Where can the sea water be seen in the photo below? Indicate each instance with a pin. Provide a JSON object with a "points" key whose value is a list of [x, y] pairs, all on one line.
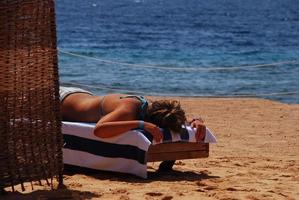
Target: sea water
{"points": [[181, 47]]}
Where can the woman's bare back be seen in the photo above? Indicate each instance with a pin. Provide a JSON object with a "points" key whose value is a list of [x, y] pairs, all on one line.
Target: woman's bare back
{"points": [[83, 107]]}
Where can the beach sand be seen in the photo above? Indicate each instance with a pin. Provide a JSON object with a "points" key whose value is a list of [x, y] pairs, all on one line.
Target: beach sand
{"points": [[256, 157]]}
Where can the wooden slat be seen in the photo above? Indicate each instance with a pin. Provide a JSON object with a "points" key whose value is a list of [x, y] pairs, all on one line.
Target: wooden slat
{"points": [[177, 155], [177, 151], [178, 146]]}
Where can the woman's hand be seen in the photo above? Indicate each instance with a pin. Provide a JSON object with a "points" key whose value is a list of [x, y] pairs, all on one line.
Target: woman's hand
{"points": [[198, 124], [154, 130]]}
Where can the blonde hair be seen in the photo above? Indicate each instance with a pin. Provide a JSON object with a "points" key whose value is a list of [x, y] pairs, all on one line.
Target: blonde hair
{"points": [[166, 114]]}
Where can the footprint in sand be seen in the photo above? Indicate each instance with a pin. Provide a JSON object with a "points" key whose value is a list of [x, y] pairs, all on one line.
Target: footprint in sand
{"points": [[210, 188], [124, 197], [229, 198], [231, 189], [200, 190], [203, 186], [157, 194], [167, 198], [154, 194], [286, 175], [119, 191], [201, 183], [238, 164]]}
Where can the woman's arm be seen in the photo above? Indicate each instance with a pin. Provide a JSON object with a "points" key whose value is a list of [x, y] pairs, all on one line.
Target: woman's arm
{"points": [[120, 121], [198, 124]]}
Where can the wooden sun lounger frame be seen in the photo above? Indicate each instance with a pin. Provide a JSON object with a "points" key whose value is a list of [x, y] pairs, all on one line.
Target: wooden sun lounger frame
{"points": [[177, 151]]}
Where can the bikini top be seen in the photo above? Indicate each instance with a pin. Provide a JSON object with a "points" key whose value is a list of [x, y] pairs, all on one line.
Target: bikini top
{"points": [[143, 107]]}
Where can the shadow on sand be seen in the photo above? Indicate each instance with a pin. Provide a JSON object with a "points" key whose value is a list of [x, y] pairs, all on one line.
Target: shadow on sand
{"points": [[171, 175], [62, 193]]}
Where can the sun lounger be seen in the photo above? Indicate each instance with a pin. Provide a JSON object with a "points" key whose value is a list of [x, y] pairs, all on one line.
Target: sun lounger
{"points": [[128, 152]]}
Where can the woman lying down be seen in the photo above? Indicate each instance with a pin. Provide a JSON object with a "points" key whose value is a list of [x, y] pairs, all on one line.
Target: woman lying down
{"points": [[115, 114]]}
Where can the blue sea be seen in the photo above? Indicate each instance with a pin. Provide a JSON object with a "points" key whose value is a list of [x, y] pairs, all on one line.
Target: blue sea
{"points": [[221, 48]]}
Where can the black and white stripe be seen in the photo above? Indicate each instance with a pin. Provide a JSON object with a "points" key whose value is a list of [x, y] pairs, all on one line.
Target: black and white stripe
{"points": [[124, 153]]}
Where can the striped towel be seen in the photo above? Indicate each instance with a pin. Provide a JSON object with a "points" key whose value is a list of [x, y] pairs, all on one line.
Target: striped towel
{"points": [[124, 153], [187, 135]]}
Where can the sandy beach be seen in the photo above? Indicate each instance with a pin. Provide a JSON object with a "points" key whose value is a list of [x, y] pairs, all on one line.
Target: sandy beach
{"points": [[256, 157]]}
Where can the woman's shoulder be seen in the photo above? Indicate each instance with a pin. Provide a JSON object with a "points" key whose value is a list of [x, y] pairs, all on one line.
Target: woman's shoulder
{"points": [[119, 100]]}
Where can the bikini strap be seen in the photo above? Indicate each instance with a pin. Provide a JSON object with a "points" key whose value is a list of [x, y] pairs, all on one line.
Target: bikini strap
{"points": [[143, 107], [101, 106]]}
